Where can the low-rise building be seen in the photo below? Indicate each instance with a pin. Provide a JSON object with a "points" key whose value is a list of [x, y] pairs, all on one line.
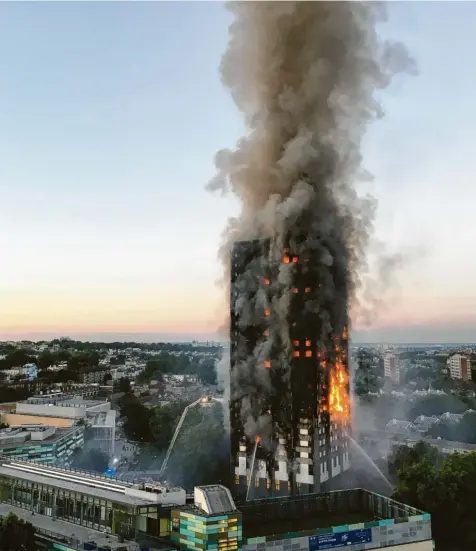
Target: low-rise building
{"points": [[93, 375], [41, 443], [209, 519], [65, 411], [424, 422]]}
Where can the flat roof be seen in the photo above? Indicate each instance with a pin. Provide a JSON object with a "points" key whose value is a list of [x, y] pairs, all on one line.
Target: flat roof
{"points": [[101, 493], [281, 526], [267, 517], [60, 433], [61, 528]]}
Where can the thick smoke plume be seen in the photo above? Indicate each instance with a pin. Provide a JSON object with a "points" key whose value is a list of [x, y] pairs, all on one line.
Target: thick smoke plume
{"points": [[304, 77]]}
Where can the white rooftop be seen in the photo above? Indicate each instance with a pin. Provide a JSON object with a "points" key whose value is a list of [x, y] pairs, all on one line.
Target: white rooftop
{"points": [[214, 499], [92, 484]]}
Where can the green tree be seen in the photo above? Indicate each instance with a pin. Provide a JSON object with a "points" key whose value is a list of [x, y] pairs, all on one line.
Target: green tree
{"points": [[206, 371], [136, 418], [46, 359], [155, 368], [123, 385], [16, 358], [437, 405], [403, 456], [163, 422], [447, 492], [119, 359], [10, 394], [200, 453], [16, 534]]}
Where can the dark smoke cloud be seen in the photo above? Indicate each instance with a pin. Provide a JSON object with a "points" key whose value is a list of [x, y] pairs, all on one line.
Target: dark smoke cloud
{"points": [[303, 75]]}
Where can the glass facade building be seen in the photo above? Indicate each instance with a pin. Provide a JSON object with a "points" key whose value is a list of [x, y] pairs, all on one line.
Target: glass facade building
{"points": [[64, 497]]}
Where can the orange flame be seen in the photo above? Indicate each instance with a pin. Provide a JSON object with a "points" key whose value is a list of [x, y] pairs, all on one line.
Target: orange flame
{"points": [[257, 439], [267, 364], [267, 312], [338, 391], [286, 259]]}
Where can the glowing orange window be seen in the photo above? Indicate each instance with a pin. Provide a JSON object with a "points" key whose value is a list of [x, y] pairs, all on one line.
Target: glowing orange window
{"points": [[286, 259], [295, 290], [296, 354], [295, 259], [307, 290], [267, 364], [267, 281], [308, 354], [267, 312], [308, 343], [296, 343]]}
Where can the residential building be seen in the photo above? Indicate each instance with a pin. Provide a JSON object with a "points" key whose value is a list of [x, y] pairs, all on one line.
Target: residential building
{"points": [[391, 365], [27, 371], [459, 367], [93, 375], [298, 438], [423, 422]]}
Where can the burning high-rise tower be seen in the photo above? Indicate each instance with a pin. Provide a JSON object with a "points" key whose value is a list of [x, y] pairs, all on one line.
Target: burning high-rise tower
{"points": [[289, 413], [303, 75]]}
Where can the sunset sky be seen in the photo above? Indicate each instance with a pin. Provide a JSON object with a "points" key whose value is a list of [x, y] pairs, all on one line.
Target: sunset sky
{"points": [[110, 116]]}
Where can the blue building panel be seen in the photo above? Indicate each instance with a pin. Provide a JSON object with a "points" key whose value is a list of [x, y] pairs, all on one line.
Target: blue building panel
{"points": [[340, 539]]}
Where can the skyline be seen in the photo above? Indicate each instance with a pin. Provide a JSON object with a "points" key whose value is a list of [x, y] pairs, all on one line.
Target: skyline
{"points": [[112, 114]]}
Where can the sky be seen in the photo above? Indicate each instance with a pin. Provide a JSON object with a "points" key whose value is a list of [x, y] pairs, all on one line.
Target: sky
{"points": [[110, 116]]}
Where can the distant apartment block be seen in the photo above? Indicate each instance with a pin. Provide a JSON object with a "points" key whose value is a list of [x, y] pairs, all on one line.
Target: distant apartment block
{"points": [[28, 372], [92, 375], [459, 367], [391, 365]]}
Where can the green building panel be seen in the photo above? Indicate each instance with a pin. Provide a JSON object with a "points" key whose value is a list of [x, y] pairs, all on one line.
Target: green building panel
{"points": [[194, 530]]}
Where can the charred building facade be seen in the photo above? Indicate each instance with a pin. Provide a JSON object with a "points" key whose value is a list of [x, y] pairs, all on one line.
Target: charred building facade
{"points": [[289, 406]]}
